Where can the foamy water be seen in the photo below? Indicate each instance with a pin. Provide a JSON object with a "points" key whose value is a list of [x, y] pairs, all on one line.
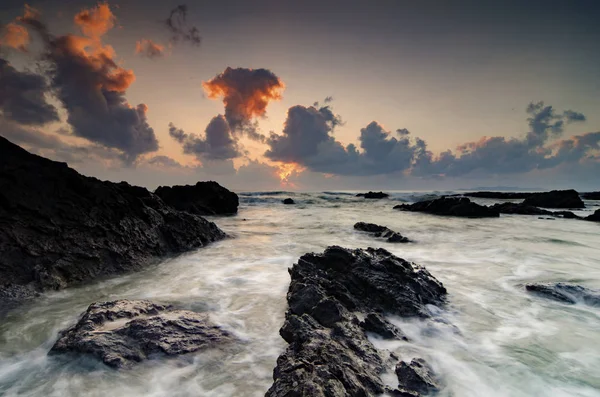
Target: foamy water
{"points": [[492, 339]]}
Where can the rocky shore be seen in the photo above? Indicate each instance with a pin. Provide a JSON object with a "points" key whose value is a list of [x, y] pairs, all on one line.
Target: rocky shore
{"points": [[381, 232]]}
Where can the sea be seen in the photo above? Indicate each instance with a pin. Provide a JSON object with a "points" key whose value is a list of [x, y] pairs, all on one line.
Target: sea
{"points": [[492, 339]]}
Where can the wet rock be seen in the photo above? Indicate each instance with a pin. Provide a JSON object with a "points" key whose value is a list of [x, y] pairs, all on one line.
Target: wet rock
{"points": [[555, 199], [288, 201], [549, 219], [373, 195], [381, 231], [416, 378], [329, 353], [566, 293], [595, 217], [498, 195], [566, 214], [591, 195], [124, 332], [58, 227], [203, 198], [376, 323], [451, 206], [520, 209]]}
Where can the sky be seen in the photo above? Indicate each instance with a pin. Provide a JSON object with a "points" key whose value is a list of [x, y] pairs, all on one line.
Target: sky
{"points": [[311, 95]]}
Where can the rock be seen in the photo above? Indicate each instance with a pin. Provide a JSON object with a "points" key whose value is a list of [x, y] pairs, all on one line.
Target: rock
{"points": [[566, 293], [499, 195], [595, 217], [520, 209], [124, 332], [591, 195], [373, 195], [381, 231], [203, 198], [288, 201], [58, 227], [549, 219], [566, 214], [555, 199], [451, 206], [329, 353], [416, 377], [376, 323]]}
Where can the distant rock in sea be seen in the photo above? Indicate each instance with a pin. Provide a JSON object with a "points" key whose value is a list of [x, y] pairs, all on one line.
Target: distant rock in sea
{"points": [[451, 206], [555, 199], [373, 195], [591, 195], [124, 332], [498, 195], [381, 231], [595, 217], [524, 209], [329, 353], [203, 198], [60, 228], [566, 293], [288, 201]]}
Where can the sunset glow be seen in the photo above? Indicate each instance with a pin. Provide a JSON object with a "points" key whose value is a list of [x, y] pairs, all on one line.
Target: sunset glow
{"points": [[286, 170]]}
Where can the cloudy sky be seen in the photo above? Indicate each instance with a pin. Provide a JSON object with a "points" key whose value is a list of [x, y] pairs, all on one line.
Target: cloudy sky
{"points": [[275, 94]]}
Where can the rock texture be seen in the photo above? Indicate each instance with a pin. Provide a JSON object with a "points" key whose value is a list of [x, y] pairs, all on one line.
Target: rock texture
{"points": [[288, 201], [566, 293], [416, 376], [373, 195], [555, 199], [124, 332], [595, 217], [203, 198], [451, 206], [58, 227], [381, 231], [329, 353]]}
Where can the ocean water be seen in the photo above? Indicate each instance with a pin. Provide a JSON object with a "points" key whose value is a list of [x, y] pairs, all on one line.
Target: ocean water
{"points": [[491, 339]]}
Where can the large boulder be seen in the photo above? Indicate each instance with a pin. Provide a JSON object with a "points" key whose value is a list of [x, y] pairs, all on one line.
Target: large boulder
{"points": [[329, 353], [203, 198], [566, 293], [555, 199], [58, 227], [124, 332], [451, 206], [595, 217], [373, 195], [288, 201], [381, 231]]}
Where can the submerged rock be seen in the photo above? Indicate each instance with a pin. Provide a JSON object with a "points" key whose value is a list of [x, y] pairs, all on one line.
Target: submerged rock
{"points": [[203, 198], [595, 217], [373, 195], [124, 332], [566, 293], [381, 231], [58, 227], [329, 353], [451, 206], [555, 199], [288, 201]]}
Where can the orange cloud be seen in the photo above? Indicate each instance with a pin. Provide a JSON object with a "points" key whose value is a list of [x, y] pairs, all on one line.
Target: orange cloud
{"points": [[148, 48], [97, 21], [15, 36]]}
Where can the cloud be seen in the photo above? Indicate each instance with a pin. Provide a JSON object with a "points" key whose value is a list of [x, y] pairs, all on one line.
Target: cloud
{"points": [[23, 97], [218, 142], [177, 25], [246, 93], [86, 78], [149, 49], [14, 36]]}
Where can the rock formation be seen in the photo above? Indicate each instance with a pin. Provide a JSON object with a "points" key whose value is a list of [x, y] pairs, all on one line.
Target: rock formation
{"points": [[591, 195], [373, 195], [595, 217], [381, 231], [451, 206], [499, 195], [555, 199], [566, 293], [288, 201], [203, 198]]}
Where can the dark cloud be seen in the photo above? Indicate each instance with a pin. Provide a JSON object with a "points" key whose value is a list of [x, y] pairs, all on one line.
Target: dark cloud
{"points": [[177, 25], [164, 161], [149, 49], [246, 94], [402, 131], [573, 116], [23, 96], [218, 142], [86, 78]]}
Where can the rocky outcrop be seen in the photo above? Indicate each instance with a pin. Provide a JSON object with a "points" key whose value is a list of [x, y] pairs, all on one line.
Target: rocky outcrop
{"points": [[288, 201], [595, 217], [498, 195], [329, 353], [566, 293], [416, 376], [591, 195], [555, 199], [203, 198], [451, 206], [373, 195], [524, 209], [122, 333], [58, 227], [381, 231]]}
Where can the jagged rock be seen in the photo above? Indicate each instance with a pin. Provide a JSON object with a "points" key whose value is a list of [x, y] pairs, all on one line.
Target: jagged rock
{"points": [[591, 195], [124, 332], [288, 201], [376, 323], [566, 293], [203, 198], [58, 227], [373, 195], [555, 199], [329, 353], [381, 231], [498, 195], [451, 206], [595, 217], [416, 378]]}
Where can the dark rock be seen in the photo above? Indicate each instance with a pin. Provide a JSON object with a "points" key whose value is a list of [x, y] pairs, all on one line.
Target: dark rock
{"points": [[124, 332], [451, 206], [288, 201], [329, 353], [381, 231], [520, 209], [595, 217], [566, 214], [416, 377], [555, 199], [203, 198], [373, 195], [376, 323], [499, 195], [591, 195], [566, 293], [58, 227], [549, 219]]}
